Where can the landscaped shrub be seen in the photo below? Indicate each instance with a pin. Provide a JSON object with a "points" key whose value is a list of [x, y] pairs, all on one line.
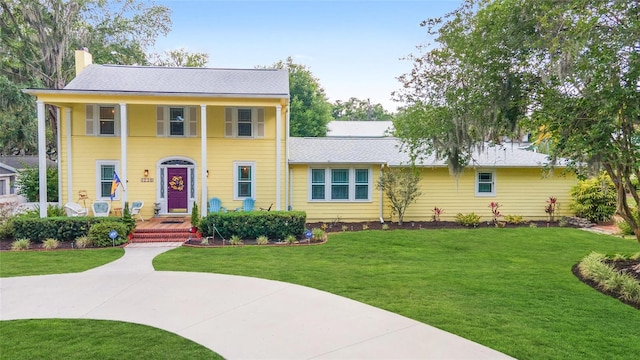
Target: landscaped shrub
{"points": [[624, 226], [594, 267], [514, 219], [594, 199], [99, 233], [50, 244], [61, 228], [21, 244], [7, 230], [262, 240], [251, 224], [468, 220], [235, 240], [83, 242], [290, 239], [317, 235], [127, 219]]}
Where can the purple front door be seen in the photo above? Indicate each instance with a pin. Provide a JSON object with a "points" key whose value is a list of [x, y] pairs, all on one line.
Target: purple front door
{"points": [[177, 191]]}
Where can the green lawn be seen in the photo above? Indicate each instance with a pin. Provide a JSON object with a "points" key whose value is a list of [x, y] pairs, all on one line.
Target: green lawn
{"points": [[509, 289], [24, 263], [93, 339]]}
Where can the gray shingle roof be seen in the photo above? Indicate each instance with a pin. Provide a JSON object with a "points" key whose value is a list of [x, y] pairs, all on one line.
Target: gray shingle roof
{"points": [[359, 128], [387, 151], [23, 161], [116, 78]]}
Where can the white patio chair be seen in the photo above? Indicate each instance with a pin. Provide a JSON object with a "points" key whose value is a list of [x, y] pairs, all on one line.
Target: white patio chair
{"points": [[74, 209], [136, 206], [101, 208]]}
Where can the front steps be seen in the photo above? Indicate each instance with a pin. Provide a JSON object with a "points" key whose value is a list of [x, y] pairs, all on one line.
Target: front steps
{"points": [[148, 235]]}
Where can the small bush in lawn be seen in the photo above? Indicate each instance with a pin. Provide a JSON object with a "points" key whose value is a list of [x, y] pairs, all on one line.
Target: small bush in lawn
{"points": [[365, 227], [262, 240], [514, 219], [345, 228], [468, 220], [385, 226], [290, 239], [204, 241], [99, 233], [83, 242], [317, 235], [624, 226], [235, 240], [50, 244], [21, 244], [533, 225]]}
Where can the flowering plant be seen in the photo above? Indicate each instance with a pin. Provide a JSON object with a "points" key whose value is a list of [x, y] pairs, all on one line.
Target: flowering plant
{"points": [[551, 207], [436, 213], [495, 212]]}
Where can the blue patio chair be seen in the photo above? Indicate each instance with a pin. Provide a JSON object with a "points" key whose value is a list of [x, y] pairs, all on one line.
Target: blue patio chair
{"points": [[247, 205], [215, 205]]}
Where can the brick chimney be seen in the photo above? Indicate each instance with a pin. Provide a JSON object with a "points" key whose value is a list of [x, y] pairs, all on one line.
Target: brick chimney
{"points": [[83, 59]]}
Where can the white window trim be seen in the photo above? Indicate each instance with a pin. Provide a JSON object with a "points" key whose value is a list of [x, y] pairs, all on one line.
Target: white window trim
{"points": [[327, 184], [188, 121], [493, 183], [237, 164], [99, 164], [96, 120], [255, 123]]}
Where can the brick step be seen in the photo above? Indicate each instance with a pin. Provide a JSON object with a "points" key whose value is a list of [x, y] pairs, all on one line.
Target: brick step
{"points": [[154, 240], [161, 231]]}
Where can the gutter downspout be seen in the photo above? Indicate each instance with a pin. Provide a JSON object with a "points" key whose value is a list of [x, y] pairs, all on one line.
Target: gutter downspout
{"points": [[381, 198]]}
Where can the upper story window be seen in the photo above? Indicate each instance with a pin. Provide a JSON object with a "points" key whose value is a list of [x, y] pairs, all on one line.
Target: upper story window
{"points": [[244, 122], [485, 183], [102, 120], [340, 184], [178, 121]]}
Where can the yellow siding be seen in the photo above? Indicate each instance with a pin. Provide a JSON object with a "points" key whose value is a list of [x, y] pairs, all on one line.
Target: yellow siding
{"points": [[520, 192]]}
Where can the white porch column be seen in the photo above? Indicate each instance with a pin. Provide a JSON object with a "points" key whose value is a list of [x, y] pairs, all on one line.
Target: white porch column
{"points": [[203, 160], [69, 165], [278, 155], [123, 150], [287, 180], [58, 143], [42, 159]]}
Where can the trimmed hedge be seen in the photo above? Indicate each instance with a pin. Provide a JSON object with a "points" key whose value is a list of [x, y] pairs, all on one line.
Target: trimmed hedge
{"points": [[59, 228], [275, 225]]}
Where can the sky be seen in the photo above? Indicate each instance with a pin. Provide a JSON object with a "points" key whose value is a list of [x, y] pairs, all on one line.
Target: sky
{"points": [[353, 47]]}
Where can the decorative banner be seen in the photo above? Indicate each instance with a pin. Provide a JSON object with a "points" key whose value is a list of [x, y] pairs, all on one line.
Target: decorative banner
{"points": [[176, 183]]}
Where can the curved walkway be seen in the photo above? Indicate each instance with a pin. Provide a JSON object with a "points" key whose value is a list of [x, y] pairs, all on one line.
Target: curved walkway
{"points": [[237, 317]]}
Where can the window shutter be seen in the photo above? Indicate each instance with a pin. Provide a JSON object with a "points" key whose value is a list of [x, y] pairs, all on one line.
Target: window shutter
{"points": [[116, 121], [160, 121], [89, 121], [228, 122], [193, 121], [260, 123]]}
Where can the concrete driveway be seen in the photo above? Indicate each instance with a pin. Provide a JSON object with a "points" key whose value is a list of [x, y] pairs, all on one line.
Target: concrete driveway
{"points": [[237, 317]]}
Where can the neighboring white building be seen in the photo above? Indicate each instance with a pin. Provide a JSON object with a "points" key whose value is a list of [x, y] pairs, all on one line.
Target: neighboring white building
{"points": [[7, 184], [359, 128]]}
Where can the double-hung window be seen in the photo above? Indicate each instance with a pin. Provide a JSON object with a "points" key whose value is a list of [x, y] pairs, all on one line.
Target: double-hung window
{"points": [[340, 184], [485, 183], [244, 180], [244, 122], [176, 121], [102, 120], [104, 175]]}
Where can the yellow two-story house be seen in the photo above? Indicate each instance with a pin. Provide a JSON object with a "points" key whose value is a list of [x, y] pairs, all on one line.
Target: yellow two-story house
{"points": [[173, 136]]}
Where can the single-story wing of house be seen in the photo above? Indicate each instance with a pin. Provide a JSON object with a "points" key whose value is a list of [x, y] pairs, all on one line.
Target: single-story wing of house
{"points": [[175, 137]]}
